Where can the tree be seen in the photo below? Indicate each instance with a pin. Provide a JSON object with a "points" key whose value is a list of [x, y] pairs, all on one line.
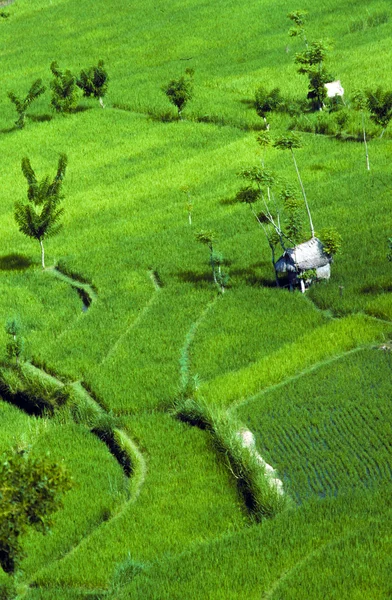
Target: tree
{"points": [[180, 91], [30, 492], [94, 82], [22, 105], [360, 104], [289, 142], [311, 63], [379, 104], [208, 238], [299, 18], [64, 90], [389, 255], [39, 218], [14, 346]]}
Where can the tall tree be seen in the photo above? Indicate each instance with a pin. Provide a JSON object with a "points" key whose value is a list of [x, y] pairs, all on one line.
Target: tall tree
{"points": [[39, 217], [22, 105], [208, 238], [298, 18], [360, 105], [94, 82], [312, 64], [289, 142], [64, 90]]}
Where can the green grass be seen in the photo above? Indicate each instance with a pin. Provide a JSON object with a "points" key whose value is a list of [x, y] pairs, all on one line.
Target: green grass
{"points": [[180, 503], [284, 557], [326, 342], [139, 344]]}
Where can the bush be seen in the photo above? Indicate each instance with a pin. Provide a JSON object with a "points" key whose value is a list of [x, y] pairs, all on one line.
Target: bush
{"points": [[266, 101], [30, 491]]}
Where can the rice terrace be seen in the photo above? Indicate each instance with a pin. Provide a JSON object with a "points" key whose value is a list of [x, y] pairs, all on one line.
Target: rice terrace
{"points": [[196, 300]]}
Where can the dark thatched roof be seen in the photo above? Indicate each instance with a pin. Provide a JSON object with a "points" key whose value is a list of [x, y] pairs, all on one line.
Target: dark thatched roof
{"points": [[309, 255]]}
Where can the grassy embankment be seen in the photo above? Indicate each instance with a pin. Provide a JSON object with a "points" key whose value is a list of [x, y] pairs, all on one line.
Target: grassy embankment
{"points": [[125, 217]]}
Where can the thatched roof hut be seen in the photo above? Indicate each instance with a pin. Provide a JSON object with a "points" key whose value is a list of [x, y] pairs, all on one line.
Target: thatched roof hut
{"points": [[306, 256]]}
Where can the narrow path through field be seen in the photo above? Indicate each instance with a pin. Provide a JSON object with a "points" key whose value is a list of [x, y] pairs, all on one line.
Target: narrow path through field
{"points": [[317, 365], [269, 594], [133, 323], [189, 337]]}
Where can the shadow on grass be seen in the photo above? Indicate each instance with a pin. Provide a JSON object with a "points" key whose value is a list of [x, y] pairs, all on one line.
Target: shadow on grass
{"points": [[248, 102], [228, 201], [198, 278], [376, 288], [15, 262], [82, 108], [10, 129], [247, 275], [40, 118], [163, 116]]}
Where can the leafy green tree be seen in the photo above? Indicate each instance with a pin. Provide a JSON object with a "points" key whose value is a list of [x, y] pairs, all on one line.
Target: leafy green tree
{"points": [[359, 103], [298, 18], [259, 190], [94, 82], [39, 218], [311, 63], [180, 91], [293, 214], [389, 255], [64, 90], [290, 142], [22, 105], [379, 104], [30, 492], [15, 344]]}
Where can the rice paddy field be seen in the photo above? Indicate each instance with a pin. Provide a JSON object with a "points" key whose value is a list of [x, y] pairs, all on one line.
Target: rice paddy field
{"points": [[125, 322]]}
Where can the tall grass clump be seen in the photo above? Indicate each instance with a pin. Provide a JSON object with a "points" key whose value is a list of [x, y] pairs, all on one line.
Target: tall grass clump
{"points": [[261, 498]]}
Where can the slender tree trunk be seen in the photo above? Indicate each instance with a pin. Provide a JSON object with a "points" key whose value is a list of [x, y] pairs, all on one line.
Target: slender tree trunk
{"points": [[273, 264], [365, 142], [382, 133], [101, 102], [190, 218], [42, 253], [304, 194]]}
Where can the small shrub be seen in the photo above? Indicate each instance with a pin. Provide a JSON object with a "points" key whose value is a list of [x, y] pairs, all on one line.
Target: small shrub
{"points": [[377, 19], [266, 101], [331, 240], [180, 91], [324, 125], [356, 26]]}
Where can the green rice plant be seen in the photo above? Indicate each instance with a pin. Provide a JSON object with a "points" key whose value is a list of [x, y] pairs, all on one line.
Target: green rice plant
{"points": [[333, 339], [274, 560], [327, 430], [187, 496], [7, 586]]}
